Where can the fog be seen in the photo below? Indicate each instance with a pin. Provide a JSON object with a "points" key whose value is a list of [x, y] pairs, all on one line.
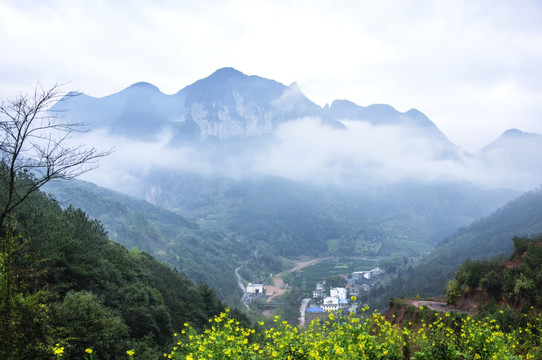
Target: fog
{"points": [[305, 150]]}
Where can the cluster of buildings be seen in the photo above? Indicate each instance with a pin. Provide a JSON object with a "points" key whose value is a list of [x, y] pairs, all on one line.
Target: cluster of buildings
{"points": [[362, 281], [340, 297]]}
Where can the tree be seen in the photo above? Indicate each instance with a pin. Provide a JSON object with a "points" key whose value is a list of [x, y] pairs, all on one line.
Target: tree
{"points": [[35, 148], [84, 322], [36, 142]]}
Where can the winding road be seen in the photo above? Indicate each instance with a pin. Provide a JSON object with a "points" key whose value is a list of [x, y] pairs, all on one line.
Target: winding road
{"points": [[303, 310], [241, 285]]}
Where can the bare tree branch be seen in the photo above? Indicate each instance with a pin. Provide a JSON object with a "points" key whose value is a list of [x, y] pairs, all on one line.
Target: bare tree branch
{"points": [[35, 144]]}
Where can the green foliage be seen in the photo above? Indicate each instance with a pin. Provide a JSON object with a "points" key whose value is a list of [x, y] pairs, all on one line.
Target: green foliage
{"points": [[315, 273], [443, 337], [288, 306], [297, 219], [71, 285], [82, 321], [335, 281], [516, 282], [201, 254], [483, 239]]}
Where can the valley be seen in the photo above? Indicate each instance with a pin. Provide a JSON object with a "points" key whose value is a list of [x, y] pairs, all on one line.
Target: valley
{"points": [[232, 187], [222, 198], [271, 180]]}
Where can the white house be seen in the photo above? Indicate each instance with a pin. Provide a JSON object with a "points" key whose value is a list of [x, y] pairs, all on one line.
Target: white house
{"points": [[256, 288], [331, 303], [339, 292]]}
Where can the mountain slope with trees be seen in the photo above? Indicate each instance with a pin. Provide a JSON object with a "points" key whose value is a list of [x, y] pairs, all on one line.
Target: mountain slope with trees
{"points": [[484, 239], [203, 255], [491, 285], [67, 283]]}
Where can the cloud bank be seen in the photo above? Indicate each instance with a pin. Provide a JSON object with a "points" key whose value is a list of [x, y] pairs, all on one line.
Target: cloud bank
{"points": [[304, 150]]}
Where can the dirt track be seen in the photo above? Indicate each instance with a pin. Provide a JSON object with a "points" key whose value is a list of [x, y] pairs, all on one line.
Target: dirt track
{"points": [[279, 287], [436, 305]]}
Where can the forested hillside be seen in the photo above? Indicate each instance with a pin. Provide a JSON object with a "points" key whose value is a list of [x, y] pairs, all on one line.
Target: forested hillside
{"points": [[484, 239], [64, 282], [203, 255]]}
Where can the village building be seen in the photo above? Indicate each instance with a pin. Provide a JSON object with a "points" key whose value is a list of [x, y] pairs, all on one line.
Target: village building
{"points": [[331, 303], [338, 292], [318, 293], [319, 286], [315, 310], [255, 288]]}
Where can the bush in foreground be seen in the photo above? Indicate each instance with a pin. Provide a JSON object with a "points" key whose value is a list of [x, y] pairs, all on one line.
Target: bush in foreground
{"points": [[369, 337]]}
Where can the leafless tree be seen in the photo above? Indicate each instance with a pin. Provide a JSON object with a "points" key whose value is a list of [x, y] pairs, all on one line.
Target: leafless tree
{"points": [[36, 146]]}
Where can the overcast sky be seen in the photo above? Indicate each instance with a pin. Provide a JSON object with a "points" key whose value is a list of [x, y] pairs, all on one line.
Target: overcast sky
{"points": [[473, 67]]}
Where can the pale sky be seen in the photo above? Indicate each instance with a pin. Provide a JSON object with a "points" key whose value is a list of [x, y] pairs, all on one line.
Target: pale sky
{"points": [[473, 67]]}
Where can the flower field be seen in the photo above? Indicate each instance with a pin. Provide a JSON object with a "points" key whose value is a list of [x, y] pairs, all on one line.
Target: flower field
{"points": [[369, 337]]}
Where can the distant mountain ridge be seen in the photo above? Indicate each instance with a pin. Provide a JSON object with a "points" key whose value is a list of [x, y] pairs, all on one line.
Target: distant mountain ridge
{"points": [[227, 104], [261, 168]]}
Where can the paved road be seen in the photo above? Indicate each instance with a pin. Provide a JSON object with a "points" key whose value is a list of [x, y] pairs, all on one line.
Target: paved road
{"points": [[303, 310], [244, 299]]}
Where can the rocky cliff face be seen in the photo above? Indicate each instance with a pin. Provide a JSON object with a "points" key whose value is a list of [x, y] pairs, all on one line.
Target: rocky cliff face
{"points": [[226, 105], [241, 120]]}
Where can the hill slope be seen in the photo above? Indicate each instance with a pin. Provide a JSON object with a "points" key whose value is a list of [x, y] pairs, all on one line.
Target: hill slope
{"points": [[74, 286], [483, 239], [203, 255]]}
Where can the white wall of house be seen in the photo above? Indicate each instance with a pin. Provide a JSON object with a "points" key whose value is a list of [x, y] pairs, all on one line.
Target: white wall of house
{"points": [[255, 288], [331, 303], [338, 292]]}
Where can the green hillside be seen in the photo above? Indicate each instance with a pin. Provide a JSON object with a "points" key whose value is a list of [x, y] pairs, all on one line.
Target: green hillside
{"points": [[492, 285], [301, 219], [203, 255], [64, 282], [483, 239]]}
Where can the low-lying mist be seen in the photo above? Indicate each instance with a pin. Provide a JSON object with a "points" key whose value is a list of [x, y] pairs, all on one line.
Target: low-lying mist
{"points": [[305, 150]]}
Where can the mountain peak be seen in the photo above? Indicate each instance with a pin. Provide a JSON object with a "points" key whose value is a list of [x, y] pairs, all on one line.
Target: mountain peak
{"points": [[511, 138], [142, 85], [227, 73], [513, 133], [516, 134]]}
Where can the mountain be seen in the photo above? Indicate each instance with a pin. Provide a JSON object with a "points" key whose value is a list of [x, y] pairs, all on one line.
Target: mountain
{"points": [[250, 170], [386, 115], [203, 255], [510, 140], [513, 149], [257, 160], [513, 157], [227, 104], [237, 124]]}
